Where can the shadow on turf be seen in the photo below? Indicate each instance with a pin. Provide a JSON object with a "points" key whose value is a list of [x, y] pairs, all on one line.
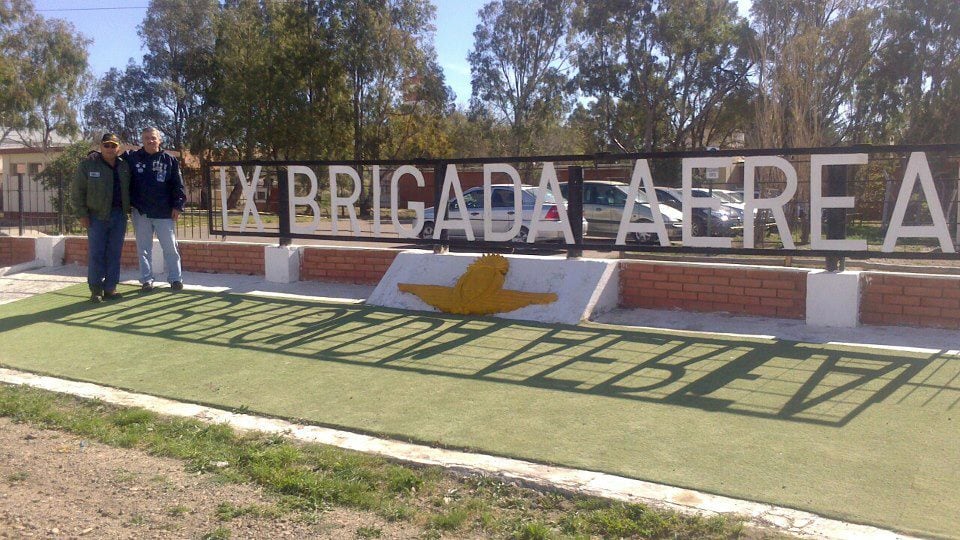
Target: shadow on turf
{"points": [[764, 378]]}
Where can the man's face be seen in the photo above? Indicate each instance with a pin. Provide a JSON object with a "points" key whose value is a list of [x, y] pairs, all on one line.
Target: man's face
{"points": [[151, 141], [109, 150]]}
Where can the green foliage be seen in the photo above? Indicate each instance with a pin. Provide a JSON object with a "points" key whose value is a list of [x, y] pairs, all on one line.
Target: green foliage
{"points": [[519, 66], [43, 73], [57, 178]]}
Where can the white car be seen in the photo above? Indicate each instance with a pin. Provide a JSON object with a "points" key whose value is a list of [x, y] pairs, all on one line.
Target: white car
{"points": [[503, 213], [603, 204]]}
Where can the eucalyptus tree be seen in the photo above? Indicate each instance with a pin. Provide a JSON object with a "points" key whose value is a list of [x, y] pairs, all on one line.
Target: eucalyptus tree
{"points": [[520, 66], [178, 36], [125, 101], [43, 72], [809, 57], [911, 91], [661, 74]]}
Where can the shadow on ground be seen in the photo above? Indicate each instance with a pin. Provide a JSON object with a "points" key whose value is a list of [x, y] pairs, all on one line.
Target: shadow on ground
{"points": [[791, 381]]}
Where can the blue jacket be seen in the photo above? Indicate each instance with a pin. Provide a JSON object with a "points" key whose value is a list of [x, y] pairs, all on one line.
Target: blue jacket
{"points": [[156, 186]]}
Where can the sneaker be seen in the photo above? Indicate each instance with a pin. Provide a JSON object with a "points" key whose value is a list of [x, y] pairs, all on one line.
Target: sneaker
{"points": [[96, 298], [112, 295], [176, 286], [146, 287]]}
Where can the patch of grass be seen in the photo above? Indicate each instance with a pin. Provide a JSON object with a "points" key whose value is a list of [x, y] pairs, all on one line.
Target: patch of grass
{"points": [[227, 511], [533, 531], [18, 476], [403, 480], [311, 478], [178, 510], [450, 520], [369, 532], [220, 533]]}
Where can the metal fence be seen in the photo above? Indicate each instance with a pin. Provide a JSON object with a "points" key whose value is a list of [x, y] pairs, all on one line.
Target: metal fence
{"points": [[856, 194], [43, 205]]}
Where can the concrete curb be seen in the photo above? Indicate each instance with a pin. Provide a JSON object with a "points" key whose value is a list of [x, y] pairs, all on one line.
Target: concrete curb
{"points": [[803, 524]]}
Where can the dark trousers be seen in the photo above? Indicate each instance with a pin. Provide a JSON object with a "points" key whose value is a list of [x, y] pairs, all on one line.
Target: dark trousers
{"points": [[104, 245]]}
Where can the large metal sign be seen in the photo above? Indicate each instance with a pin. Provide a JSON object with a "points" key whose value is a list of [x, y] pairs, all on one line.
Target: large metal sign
{"points": [[891, 201]]}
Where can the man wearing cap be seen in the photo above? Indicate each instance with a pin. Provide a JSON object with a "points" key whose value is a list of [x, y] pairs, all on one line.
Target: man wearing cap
{"points": [[157, 196], [101, 197]]}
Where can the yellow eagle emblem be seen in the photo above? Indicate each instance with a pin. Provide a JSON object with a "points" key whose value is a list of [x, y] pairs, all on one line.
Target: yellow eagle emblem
{"points": [[479, 291]]}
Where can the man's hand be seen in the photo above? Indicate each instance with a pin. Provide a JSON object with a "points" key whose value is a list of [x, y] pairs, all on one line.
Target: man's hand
{"points": [[174, 214], [85, 222]]}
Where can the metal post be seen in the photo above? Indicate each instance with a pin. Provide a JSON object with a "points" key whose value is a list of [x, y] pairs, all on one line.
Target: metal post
{"points": [[284, 210], [575, 210], [836, 186], [20, 197], [439, 169]]}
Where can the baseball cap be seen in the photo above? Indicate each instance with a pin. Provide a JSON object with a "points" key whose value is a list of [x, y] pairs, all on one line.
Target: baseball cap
{"points": [[110, 138]]}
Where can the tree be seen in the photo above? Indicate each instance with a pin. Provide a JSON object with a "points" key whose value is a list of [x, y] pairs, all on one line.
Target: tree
{"points": [[519, 66], [125, 103], [179, 38], [43, 72], [276, 92], [911, 91], [809, 57], [664, 75]]}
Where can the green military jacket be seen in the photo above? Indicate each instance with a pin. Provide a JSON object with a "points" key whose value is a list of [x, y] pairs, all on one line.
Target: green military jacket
{"points": [[92, 190]]}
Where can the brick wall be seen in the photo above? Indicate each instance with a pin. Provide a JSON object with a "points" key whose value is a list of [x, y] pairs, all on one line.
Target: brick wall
{"points": [[75, 252], [714, 288], [16, 250], [225, 258], [345, 265], [910, 300]]}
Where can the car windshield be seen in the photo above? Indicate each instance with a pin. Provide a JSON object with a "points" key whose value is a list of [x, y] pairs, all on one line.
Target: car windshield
{"points": [[530, 196], [621, 196], [727, 197]]}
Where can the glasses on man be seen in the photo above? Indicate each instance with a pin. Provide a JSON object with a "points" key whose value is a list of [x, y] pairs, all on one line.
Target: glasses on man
{"points": [[109, 145]]}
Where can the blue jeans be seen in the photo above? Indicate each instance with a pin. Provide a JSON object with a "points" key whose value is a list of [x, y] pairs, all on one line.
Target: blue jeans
{"points": [[104, 246], [165, 229]]}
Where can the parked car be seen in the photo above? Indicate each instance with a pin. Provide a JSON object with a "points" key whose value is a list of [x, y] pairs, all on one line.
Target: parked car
{"points": [[723, 221], [603, 204], [503, 212]]}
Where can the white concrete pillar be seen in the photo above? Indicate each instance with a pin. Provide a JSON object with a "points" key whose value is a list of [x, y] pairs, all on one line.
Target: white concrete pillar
{"points": [[833, 299], [282, 263], [49, 250]]}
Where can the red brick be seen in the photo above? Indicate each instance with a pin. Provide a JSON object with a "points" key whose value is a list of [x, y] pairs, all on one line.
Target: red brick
{"points": [[948, 303], [696, 287], [921, 311], [927, 292], [683, 278]]}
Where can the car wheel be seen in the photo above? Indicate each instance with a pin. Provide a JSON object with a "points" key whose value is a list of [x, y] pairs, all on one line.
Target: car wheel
{"points": [[699, 227], [646, 238], [426, 232], [521, 237]]}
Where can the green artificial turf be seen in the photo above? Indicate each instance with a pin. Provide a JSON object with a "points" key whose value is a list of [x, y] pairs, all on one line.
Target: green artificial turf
{"points": [[859, 434]]}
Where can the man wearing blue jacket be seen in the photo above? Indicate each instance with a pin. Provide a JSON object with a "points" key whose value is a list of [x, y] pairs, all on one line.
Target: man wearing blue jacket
{"points": [[156, 196]]}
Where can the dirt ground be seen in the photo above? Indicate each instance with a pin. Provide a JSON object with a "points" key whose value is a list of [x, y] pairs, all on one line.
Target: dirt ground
{"points": [[56, 485]]}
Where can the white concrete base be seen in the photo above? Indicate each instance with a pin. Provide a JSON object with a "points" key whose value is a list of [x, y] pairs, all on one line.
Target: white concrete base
{"points": [[583, 286], [49, 250], [833, 299], [282, 263]]}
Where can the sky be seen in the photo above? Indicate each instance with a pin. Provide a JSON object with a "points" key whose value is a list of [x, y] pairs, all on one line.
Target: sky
{"points": [[112, 27]]}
